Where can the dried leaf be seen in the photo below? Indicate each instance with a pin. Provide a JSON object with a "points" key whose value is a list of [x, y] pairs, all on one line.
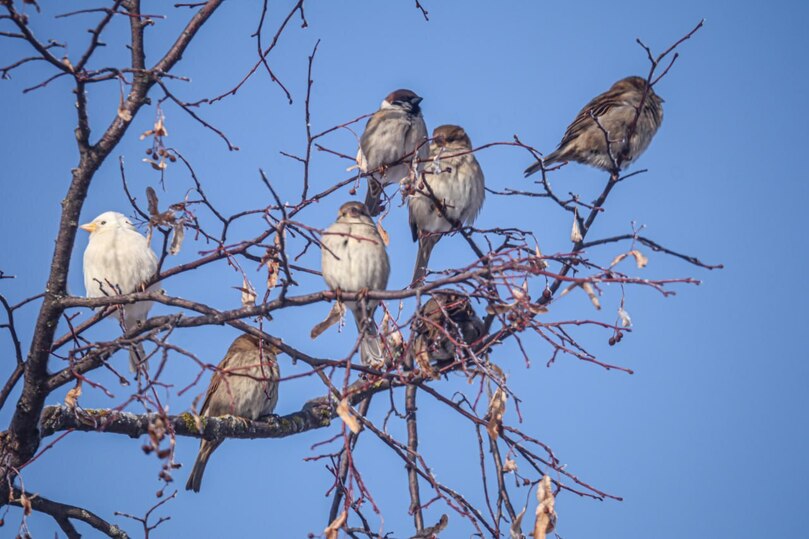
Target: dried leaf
{"points": [[588, 288], [157, 165], [546, 515], [382, 233], [640, 259], [333, 530], [515, 530], [391, 331], [348, 418], [272, 273], [124, 114], [159, 127], [25, 502], [248, 293], [421, 351], [336, 313], [575, 232], [618, 259], [72, 397], [510, 465], [540, 260], [497, 407], [177, 239], [626, 321], [151, 197]]}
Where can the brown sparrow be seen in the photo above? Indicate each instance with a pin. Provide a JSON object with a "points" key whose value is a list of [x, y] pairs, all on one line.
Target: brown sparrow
{"points": [[394, 131], [244, 385], [452, 178], [354, 259], [118, 260], [615, 109], [443, 324]]}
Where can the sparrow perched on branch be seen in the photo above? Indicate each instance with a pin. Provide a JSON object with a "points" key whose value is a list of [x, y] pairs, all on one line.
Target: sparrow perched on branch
{"points": [[396, 132], [452, 187], [244, 385], [443, 325], [616, 111], [118, 260], [354, 259]]}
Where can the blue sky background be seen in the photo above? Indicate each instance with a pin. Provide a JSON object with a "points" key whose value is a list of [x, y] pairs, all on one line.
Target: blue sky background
{"points": [[707, 439]]}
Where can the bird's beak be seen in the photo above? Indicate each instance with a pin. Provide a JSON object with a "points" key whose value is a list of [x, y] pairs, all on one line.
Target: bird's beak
{"points": [[89, 227], [416, 100]]}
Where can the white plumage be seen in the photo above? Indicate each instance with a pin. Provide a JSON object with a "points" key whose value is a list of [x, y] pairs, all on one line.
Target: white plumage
{"points": [[118, 260]]}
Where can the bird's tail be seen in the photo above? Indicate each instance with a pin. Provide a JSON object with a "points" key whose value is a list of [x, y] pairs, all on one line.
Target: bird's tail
{"points": [[371, 352], [138, 363], [551, 158], [373, 198], [426, 244], [195, 479]]}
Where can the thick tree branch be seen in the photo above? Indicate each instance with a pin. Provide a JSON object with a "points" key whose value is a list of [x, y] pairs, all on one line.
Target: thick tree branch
{"points": [[63, 513]]}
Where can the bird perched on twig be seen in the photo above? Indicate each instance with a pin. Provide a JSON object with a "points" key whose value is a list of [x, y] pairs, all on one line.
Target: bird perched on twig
{"points": [[453, 180], [244, 385], [118, 260], [354, 259], [442, 327], [616, 111], [396, 132]]}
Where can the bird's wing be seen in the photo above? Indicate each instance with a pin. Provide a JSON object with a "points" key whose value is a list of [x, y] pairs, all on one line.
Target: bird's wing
{"points": [[384, 140], [598, 106]]}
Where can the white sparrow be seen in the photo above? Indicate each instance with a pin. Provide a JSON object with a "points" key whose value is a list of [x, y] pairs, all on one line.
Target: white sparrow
{"points": [[615, 109], [354, 259], [394, 131], [118, 260], [454, 179], [244, 385]]}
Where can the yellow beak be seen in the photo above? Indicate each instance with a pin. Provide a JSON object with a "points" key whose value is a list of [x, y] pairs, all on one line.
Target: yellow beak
{"points": [[89, 227]]}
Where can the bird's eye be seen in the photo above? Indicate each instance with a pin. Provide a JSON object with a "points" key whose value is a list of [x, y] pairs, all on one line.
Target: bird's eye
{"points": [[103, 223]]}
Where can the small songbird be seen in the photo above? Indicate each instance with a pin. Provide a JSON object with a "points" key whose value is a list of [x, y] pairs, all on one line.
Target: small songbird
{"points": [[454, 179], [443, 324], [118, 260], [354, 259], [616, 109], [394, 131], [244, 385]]}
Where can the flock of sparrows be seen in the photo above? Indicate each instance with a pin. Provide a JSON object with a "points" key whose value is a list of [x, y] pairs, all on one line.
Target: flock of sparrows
{"points": [[444, 185]]}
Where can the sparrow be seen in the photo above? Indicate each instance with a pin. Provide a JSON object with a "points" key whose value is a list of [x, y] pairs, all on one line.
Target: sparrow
{"points": [[118, 260], [396, 132], [615, 109], [453, 179], [244, 385], [354, 259], [442, 326]]}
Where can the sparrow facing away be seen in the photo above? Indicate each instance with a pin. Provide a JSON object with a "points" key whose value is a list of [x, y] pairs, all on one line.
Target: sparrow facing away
{"points": [[353, 259], [394, 131], [118, 260], [443, 323], [244, 385], [615, 109], [455, 181]]}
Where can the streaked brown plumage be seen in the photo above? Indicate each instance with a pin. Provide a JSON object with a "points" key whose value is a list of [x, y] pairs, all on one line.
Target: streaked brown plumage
{"points": [[244, 385], [353, 259], [454, 178], [446, 319], [394, 131], [585, 142]]}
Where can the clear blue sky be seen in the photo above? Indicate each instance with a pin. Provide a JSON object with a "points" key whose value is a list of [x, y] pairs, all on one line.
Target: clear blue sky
{"points": [[707, 439]]}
